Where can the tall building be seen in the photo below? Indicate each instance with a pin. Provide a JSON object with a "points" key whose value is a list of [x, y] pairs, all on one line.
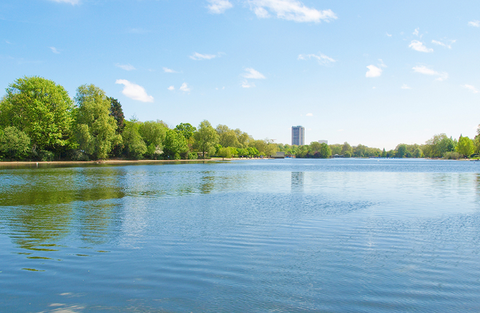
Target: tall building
{"points": [[298, 135]]}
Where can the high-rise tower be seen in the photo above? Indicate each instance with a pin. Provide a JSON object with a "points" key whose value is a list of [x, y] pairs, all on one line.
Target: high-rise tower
{"points": [[298, 135]]}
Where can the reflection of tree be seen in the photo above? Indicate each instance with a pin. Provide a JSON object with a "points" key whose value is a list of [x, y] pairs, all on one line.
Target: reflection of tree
{"points": [[41, 225], [208, 182], [44, 204], [297, 181]]}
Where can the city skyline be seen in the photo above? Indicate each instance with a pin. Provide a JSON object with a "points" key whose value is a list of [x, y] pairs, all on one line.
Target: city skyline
{"points": [[376, 73]]}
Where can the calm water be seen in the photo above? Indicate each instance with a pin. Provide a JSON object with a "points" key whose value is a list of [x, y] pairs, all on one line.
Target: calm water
{"points": [[336, 235]]}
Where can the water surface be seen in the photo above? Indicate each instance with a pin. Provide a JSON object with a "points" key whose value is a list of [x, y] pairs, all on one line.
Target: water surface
{"points": [[339, 235]]}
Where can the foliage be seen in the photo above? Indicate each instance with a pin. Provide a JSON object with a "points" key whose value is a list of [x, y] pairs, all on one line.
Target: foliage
{"points": [[14, 143], [401, 151], [438, 145], [153, 133], [465, 146], [206, 138], [42, 110], [225, 153], [117, 112], [175, 146], [186, 129], [96, 128], [135, 146]]}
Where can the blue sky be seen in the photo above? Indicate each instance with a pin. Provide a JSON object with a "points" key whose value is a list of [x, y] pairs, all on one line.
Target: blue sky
{"points": [[377, 73]]}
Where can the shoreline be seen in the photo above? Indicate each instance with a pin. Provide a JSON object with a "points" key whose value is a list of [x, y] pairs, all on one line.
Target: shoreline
{"points": [[117, 162]]}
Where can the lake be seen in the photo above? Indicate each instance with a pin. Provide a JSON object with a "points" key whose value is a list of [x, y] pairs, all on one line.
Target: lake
{"points": [[292, 235]]}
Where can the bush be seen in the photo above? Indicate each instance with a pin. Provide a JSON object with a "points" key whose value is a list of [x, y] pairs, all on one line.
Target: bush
{"points": [[452, 155], [45, 155], [78, 155]]}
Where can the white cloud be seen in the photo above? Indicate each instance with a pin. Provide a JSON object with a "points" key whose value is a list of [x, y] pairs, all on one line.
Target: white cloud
{"points": [[322, 58], [198, 56], [246, 84], [126, 67], [404, 86], [381, 63], [418, 46], [292, 10], [373, 71], [167, 70], [443, 44], [253, 74], [54, 50], [309, 114], [426, 71], [72, 2], [134, 91], [171, 88], [219, 6], [474, 23], [389, 35], [471, 88], [184, 87], [415, 32]]}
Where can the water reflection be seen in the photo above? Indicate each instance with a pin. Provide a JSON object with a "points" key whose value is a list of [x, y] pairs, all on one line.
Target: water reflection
{"points": [[43, 206], [297, 179], [208, 182]]}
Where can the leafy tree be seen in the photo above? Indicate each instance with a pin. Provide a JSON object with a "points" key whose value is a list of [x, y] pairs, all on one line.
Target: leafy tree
{"points": [[347, 150], [206, 137], [401, 151], [96, 128], [324, 152], [417, 153], [175, 145], [14, 144], [225, 153], [135, 146], [252, 151], [437, 146], [336, 149], [153, 133], [42, 110], [117, 112], [186, 129], [465, 146]]}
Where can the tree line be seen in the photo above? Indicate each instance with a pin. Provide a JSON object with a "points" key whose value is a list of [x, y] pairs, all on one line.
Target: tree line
{"points": [[39, 121], [439, 146]]}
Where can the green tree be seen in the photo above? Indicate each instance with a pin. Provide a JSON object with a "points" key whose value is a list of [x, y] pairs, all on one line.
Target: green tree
{"points": [[206, 137], [153, 133], [437, 146], [42, 110], [96, 128], [135, 146], [401, 151], [117, 112], [186, 129], [225, 153], [14, 144], [465, 146], [324, 152], [175, 145], [347, 150]]}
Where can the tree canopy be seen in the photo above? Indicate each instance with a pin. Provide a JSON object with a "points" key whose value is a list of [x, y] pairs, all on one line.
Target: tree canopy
{"points": [[42, 110]]}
